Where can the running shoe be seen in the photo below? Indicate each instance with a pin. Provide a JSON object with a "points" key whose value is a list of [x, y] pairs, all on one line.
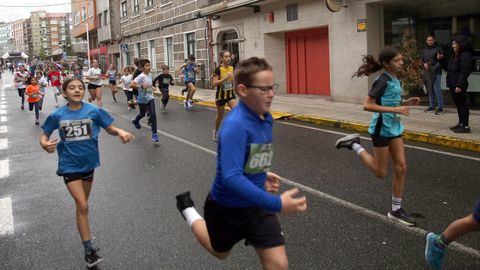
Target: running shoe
{"points": [[184, 201], [439, 112], [190, 104], [402, 217], [215, 135], [114, 99], [462, 129], [348, 141], [93, 258], [37, 122], [429, 109], [22, 107], [183, 91], [455, 127], [155, 137], [162, 108], [136, 124], [185, 104], [433, 254]]}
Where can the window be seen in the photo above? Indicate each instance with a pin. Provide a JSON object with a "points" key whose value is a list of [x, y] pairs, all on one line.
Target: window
{"points": [[90, 8], [165, 2], [100, 20], [123, 8], [54, 29], [105, 17], [151, 54], [136, 6], [190, 37], [53, 22], [149, 3], [84, 14], [126, 58], [292, 12], [137, 50], [169, 51]]}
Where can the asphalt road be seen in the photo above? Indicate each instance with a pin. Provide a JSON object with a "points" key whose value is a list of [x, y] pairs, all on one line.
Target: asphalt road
{"points": [[135, 222]]}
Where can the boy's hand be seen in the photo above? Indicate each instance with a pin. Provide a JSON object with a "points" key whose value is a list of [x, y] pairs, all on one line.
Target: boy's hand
{"points": [[272, 184], [125, 136], [414, 101], [50, 146], [291, 204]]}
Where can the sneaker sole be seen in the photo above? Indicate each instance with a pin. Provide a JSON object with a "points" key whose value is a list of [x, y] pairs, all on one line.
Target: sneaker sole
{"points": [[427, 245], [90, 265], [401, 221], [347, 138]]}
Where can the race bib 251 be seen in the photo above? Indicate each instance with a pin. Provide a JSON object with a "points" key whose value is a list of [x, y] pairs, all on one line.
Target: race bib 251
{"points": [[76, 130]]}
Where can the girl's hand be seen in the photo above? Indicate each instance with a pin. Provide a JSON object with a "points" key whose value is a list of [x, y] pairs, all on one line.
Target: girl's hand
{"points": [[272, 184], [402, 110], [50, 146], [414, 101], [125, 136]]}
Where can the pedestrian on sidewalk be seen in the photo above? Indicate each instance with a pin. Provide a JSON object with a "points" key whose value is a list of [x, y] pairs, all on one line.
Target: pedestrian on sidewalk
{"points": [[127, 87], [146, 99], [78, 125], [20, 79], [436, 245], [95, 83], [385, 100], [223, 80], [54, 76], [35, 97], [458, 68], [111, 74], [190, 71], [162, 82], [241, 203], [432, 75]]}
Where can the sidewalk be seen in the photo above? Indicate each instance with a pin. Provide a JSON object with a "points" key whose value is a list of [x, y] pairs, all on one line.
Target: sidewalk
{"points": [[419, 126]]}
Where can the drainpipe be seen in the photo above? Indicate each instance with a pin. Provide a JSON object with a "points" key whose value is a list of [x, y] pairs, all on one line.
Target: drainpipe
{"points": [[210, 45]]}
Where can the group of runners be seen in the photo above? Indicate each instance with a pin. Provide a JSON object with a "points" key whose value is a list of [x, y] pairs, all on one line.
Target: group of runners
{"points": [[243, 199]]}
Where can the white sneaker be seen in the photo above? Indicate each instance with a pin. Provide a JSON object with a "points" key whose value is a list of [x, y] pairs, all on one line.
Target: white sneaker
{"points": [[189, 104], [215, 135]]}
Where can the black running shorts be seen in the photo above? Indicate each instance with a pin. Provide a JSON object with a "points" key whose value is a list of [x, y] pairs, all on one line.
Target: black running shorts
{"points": [[476, 212], [223, 102], [227, 226], [93, 86], [379, 141], [86, 177]]}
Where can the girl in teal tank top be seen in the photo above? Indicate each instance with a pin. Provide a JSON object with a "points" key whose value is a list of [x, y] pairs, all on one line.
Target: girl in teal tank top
{"points": [[385, 101]]}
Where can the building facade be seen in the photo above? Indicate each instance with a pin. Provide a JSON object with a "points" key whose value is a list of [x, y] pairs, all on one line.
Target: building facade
{"points": [[18, 35], [6, 41], [108, 16], [84, 20]]}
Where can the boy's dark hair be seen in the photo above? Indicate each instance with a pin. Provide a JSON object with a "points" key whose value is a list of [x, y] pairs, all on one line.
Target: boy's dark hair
{"points": [[29, 80], [69, 80], [142, 62], [371, 65], [191, 57], [165, 67], [247, 69], [136, 62]]}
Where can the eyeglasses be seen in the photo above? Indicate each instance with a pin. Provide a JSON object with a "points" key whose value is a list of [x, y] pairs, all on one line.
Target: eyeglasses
{"points": [[264, 88]]}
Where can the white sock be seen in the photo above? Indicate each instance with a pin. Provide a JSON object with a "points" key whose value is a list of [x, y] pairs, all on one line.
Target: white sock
{"points": [[396, 203], [357, 148], [191, 215]]}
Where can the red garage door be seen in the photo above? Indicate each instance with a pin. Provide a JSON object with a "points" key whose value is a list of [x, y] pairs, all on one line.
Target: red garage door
{"points": [[308, 68]]}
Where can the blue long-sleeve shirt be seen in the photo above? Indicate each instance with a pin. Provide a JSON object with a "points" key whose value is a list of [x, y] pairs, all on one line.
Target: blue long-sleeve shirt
{"points": [[244, 156]]}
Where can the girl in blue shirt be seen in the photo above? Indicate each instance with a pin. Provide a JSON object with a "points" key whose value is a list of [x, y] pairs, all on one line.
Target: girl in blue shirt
{"points": [[385, 101], [78, 125]]}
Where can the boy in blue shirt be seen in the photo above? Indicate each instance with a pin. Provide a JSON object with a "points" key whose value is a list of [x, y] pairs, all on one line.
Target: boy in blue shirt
{"points": [[241, 204], [189, 71], [78, 125]]}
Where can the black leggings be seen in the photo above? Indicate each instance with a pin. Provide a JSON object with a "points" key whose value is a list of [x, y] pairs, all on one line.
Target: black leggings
{"points": [[460, 100], [36, 106], [21, 93], [165, 96], [150, 107]]}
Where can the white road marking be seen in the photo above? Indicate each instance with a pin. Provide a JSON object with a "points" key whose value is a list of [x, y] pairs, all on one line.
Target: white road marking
{"points": [[3, 143], [3, 106], [3, 119], [6, 216], [2, 99], [3, 111], [3, 102], [3, 129], [369, 139], [4, 168], [332, 199]]}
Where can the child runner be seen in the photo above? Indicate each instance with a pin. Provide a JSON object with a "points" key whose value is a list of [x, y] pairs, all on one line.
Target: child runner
{"points": [[137, 72], [436, 244], [95, 83], [35, 97], [385, 100], [182, 79], [42, 81], [127, 89], [189, 71], [146, 100], [223, 80], [20, 78], [78, 125], [54, 76], [241, 204], [164, 80], [112, 80]]}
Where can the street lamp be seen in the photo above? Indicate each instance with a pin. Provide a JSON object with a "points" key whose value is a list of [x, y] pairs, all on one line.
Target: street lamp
{"points": [[88, 36]]}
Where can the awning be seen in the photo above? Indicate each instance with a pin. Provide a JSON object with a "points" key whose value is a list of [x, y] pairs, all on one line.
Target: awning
{"points": [[226, 6], [23, 55], [6, 55]]}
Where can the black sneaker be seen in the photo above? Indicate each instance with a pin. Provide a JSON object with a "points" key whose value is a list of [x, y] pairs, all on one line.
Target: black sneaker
{"points": [[92, 258], [183, 91], [184, 201], [348, 141], [114, 99], [402, 217], [439, 112], [462, 129], [455, 127], [429, 109]]}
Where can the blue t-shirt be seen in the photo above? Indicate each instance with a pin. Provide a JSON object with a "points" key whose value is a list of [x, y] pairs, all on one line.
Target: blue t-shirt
{"points": [[78, 130], [189, 74], [144, 94], [244, 157], [387, 91]]}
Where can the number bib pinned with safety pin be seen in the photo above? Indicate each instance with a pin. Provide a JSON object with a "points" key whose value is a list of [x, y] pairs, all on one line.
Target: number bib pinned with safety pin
{"points": [[76, 130], [260, 158]]}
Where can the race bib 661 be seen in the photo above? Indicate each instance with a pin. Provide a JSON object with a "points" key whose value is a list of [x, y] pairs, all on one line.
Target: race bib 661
{"points": [[260, 158], [76, 130]]}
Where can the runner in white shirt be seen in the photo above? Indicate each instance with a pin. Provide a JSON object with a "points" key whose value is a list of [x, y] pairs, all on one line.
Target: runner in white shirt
{"points": [[95, 83]]}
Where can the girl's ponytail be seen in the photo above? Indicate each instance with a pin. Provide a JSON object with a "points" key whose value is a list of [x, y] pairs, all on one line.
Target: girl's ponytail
{"points": [[370, 65]]}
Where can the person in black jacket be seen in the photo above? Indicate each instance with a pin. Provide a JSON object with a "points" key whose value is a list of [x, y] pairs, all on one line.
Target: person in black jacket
{"points": [[458, 68]]}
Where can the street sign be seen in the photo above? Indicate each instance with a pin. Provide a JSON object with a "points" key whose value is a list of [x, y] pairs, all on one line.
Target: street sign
{"points": [[124, 47]]}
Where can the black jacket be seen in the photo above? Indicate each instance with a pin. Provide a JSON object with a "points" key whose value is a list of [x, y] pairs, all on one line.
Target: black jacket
{"points": [[429, 56], [459, 66]]}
